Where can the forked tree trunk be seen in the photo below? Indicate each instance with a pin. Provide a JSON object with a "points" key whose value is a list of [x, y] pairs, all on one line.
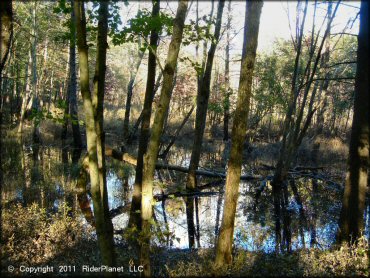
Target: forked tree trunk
{"points": [[352, 214], [251, 28], [151, 154], [135, 218], [105, 239]]}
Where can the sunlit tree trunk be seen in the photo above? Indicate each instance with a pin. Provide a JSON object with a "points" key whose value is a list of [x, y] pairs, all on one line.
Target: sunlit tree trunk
{"points": [[352, 214], [103, 230], [26, 94], [151, 154], [200, 123], [227, 89], [135, 218], [251, 28]]}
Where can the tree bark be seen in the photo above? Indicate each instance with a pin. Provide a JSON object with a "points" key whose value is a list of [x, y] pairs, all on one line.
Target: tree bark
{"points": [[6, 35], [352, 214], [135, 218], [151, 154], [251, 28], [200, 123], [72, 86], [105, 239], [227, 90]]}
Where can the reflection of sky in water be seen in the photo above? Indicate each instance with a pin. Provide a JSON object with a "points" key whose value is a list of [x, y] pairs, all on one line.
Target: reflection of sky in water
{"points": [[251, 233], [253, 230]]}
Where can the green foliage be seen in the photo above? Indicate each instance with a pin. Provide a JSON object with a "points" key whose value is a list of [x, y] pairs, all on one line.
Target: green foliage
{"points": [[58, 117], [141, 26], [197, 66], [195, 33], [215, 107]]}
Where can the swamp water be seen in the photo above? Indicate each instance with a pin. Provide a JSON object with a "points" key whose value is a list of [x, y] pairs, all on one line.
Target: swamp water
{"points": [[47, 175]]}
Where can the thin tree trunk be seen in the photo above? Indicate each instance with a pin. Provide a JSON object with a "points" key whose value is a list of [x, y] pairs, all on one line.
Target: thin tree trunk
{"points": [[140, 119], [130, 90], [151, 154], [200, 123], [25, 94], [177, 133], [251, 28], [135, 218], [352, 214], [72, 86], [35, 94], [104, 236], [227, 90]]}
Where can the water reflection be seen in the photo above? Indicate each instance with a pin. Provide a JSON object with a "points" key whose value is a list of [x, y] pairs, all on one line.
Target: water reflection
{"points": [[48, 175]]}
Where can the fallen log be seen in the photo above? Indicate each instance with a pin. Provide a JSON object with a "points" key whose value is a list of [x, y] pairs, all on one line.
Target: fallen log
{"points": [[125, 157], [160, 197]]}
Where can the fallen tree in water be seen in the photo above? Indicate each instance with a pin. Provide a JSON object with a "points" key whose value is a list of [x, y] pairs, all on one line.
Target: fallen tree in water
{"points": [[82, 191]]}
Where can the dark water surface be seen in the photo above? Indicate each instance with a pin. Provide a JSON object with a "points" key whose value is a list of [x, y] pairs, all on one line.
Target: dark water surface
{"points": [[47, 175]]}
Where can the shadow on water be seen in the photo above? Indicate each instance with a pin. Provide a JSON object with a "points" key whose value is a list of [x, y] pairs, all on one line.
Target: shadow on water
{"points": [[48, 176]]}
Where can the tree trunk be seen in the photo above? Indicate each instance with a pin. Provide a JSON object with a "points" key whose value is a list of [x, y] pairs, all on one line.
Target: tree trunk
{"points": [[200, 123], [72, 86], [135, 218], [251, 28], [227, 90], [6, 35], [25, 94], [105, 239], [151, 154], [130, 90], [352, 213], [35, 94]]}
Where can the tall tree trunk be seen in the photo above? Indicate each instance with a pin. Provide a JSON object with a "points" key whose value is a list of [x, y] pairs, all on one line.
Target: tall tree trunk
{"points": [[151, 154], [98, 103], [352, 214], [105, 238], [35, 92], [26, 93], [227, 89], [135, 218], [6, 35], [72, 85], [200, 123], [130, 91], [251, 28]]}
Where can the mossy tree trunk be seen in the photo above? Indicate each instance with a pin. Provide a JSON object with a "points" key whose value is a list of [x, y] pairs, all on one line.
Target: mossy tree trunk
{"points": [[151, 154], [93, 118], [200, 123], [251, 28], [352, 214], [135, 218]]}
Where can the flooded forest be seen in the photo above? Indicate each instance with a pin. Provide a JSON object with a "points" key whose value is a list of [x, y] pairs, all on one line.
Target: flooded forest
{"points": [[184, 138]]}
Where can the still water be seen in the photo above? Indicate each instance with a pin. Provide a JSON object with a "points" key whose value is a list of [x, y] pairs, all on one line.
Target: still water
{"points": [[47, 175]]}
